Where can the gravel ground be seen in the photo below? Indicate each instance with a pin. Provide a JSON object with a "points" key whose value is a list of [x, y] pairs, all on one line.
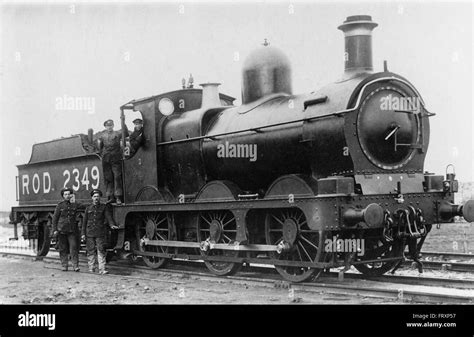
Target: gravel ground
{"points": [[24, 281]]}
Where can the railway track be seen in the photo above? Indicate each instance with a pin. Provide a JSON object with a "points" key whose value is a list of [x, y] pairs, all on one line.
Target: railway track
{"points": [[448, 256], [398, 288], [447, 261], [457, 262]]}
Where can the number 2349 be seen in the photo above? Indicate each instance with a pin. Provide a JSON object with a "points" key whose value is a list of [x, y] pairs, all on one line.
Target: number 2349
{"points": [[77, 180]]}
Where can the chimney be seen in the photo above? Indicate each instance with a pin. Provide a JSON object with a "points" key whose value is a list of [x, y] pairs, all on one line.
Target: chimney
{"points": [[210, 95], [358, 43]]}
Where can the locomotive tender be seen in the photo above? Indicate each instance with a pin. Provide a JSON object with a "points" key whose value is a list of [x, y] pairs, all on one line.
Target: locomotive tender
{"points": [[275, 181]]}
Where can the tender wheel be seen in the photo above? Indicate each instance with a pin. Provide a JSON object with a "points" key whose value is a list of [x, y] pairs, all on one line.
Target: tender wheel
{"points": [[305, 245], [153, 226], [375, 248], [41, 241], [218, 227]]}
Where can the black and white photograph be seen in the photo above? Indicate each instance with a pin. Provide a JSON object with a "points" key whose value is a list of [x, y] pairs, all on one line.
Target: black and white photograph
{"points": [[205, 159]]}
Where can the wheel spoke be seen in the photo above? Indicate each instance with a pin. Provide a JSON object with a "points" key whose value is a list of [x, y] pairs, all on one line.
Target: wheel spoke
{"points": [[208, 222], [309, 242], [161, 221], [160, 236], [309, 256], [302, 224], [203, 216], [232, 219], [299, 217], [222, 217], [278, 241], [274, 217], [298, 250]]}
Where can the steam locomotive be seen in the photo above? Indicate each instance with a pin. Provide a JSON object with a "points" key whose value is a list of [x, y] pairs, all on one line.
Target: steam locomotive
{"points": [[331, 178]]}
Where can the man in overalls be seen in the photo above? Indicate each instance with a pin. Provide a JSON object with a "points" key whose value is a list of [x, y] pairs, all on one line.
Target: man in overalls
{"points": [[111, 154]]}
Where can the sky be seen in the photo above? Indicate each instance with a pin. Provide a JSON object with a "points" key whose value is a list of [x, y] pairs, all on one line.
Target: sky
{"points": [[104, 55]]}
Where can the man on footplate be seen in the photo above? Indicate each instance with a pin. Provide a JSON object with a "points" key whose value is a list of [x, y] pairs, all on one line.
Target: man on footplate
{"points": [[111, 154], [94, 227], [65, 229]]}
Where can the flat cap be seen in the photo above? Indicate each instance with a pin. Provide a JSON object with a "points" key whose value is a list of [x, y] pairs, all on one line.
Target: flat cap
{"points": [[94, 191], [137, 121], [108, 122]]}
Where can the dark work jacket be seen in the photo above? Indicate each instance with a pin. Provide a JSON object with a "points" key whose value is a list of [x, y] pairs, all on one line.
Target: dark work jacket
{"points": [[64, 218], [136, 139], [110, 150], [96, 217]]}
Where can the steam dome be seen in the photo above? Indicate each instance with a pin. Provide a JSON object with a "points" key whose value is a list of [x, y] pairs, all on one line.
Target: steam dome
{"points": [[265, 71]]}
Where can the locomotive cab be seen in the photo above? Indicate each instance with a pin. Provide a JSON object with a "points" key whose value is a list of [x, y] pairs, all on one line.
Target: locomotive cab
{"points": [[149, 167]]}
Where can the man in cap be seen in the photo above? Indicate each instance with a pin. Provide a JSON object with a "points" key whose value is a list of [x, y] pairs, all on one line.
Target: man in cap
{"points": [[111, 154], [136, 137], [65, 229], [94, 227]]}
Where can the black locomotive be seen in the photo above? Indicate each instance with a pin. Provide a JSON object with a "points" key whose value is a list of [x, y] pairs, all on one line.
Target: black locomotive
{"points": [[303, 182]]}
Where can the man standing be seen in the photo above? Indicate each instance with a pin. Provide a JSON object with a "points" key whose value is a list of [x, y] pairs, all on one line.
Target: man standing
{"points": [[136, 137], [111, 154], [94, 227], [65, 229]]}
